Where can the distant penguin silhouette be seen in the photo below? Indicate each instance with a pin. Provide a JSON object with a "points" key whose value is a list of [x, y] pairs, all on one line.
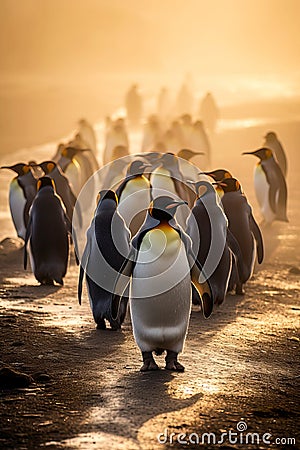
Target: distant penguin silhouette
{"points": [[272, 142], [243, 227], [186, 126], [47, 235], [199, 142], [134, 195], [160, 293], [209, 112], [270, 186], [152, 134], [163, 104], [116, 136], [185, 100], [106, 249], [87, 133], [22, 190], [133, 105]]}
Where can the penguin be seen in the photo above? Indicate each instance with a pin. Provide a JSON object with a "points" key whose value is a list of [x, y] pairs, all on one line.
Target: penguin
{"points": [[134, 195], [161, 268], [199, 141], [218, 175], [272, 142], [209, 112], [116, 135], [107, 246], [134, 105], [188, 169], [47, 235], [214, 245], [87, 133], [152, 134], [270, 186], [22, 191], [244, 228], [62, 185], [119, 152], [186, 126]]}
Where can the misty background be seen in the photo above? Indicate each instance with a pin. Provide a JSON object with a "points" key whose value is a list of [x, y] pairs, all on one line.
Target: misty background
{"points": [[66, 59]]}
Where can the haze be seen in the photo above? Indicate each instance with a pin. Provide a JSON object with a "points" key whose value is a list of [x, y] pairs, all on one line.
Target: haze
{"points": [[98, 47]]}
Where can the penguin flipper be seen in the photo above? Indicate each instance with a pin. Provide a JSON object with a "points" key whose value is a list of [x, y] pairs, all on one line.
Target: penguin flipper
{"points": [[83, 265], [27, 237], [259, 239], [204, 290], [121, 285], [236, 250]]}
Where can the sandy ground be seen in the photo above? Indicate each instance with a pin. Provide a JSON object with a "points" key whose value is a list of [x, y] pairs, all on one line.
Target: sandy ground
{"points": [[86, 389]]}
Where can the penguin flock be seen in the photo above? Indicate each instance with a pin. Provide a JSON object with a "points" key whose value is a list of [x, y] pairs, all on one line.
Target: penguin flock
{"points": [[166, 234], [42, 198]]}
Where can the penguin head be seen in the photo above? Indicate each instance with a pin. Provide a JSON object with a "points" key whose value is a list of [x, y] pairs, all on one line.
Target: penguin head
{"points": [[106, 194], [137, 167], [219, 174], [187, 154], [47, 166], [45, 182], [229, 185], [168, 159], [271, 136], [202, 188], [198, 125], [263, 153], [70, 152], [19, 168], [186, 119], [164, 207]]}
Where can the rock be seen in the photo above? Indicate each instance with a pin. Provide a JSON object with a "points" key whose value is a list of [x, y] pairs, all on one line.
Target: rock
{"points": [[42, 378], [10, 378], [294, 270]]}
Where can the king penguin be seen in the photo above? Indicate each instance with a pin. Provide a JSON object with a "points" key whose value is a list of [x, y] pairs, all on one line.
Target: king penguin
{"points": [[134, 195], [270, 186], [107, 246], [22, 191], [213, 244], [62, 186], [162, 269], [47, 235], [244, 228], [272, 142]]}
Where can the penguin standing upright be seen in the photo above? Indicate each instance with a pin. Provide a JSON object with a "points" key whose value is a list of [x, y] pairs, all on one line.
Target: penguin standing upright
{"points": [[62, 185], [270, 186], [244, 228], [199, 142], [213, 244], [272, 142], [160, 293], [22, 191], [47, 235], [134, 195], [107, 246], [116, 135], [88, 135]]}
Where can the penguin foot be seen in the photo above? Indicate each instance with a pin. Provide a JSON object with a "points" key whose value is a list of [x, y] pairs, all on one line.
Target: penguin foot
{"points": [[149, 363], [101, 325], [239, 290], [172, 363], [59, 281]]}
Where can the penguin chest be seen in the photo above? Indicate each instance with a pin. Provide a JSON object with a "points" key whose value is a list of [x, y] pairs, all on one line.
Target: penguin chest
{"points": [[162, 183], [17, 202], [135, 198], [160, 294], [262, 188]]}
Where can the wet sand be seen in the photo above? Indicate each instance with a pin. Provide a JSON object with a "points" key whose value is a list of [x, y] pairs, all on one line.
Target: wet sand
{"points": [[241, 365]]}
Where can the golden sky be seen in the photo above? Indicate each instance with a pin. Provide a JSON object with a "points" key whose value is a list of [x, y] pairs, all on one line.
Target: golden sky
{"points": [[210, 37]]}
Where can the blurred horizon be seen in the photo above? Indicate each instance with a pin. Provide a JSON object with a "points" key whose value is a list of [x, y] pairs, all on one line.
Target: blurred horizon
{"points": [[63, 59]]}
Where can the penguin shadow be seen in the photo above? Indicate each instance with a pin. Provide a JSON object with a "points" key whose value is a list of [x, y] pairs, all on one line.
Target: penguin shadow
{"points": [[140, 398], [103, 342]]}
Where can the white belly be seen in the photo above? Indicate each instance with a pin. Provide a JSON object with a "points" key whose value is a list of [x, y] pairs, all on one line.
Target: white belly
{"points": [[160, 295], [17, 203], [261, 187]]}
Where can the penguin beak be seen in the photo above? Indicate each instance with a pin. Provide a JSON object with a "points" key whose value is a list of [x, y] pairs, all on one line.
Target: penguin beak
{"points": [[249, 153], [219, 183]]}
